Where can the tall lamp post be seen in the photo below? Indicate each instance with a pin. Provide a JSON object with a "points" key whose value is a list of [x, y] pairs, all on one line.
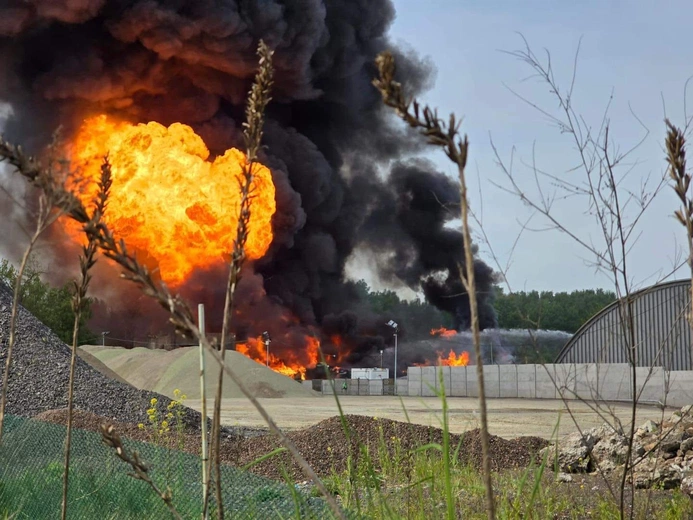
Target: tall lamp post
{"points": [[266, 340], [393, 325], [103, 337]]}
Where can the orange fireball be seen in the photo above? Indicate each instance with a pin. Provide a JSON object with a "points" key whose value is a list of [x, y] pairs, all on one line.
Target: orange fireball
{"points": [[168, 200]]}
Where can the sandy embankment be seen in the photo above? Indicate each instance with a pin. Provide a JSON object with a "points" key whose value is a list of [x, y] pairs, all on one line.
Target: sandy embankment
{"points": [[164, 371]]}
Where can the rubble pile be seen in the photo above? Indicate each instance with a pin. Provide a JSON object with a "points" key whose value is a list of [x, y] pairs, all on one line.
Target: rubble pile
{"points": [[662, 454]]}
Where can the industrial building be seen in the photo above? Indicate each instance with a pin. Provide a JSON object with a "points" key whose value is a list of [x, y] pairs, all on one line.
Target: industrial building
{"points": [[660, 324]]}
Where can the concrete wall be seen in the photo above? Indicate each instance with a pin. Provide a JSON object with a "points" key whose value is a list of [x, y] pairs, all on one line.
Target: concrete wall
{"points": [[606, 382], [362, 386], [592, 381]]}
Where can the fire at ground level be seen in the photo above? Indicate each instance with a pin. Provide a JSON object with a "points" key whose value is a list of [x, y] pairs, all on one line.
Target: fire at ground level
{"points": [[445, 348]]}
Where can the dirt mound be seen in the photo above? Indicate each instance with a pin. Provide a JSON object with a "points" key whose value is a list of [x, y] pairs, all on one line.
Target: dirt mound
{"points": [[164, 371], [325, 446], [40, 370]]}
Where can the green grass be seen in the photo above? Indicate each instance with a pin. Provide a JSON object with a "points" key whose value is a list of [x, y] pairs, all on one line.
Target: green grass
{"points": [[432, 483], [421, 493], [387, 482]]}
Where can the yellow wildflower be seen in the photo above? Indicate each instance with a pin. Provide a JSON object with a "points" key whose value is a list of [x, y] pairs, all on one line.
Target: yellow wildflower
{"points": [[151, 411], [176, 392], [183, 397], [169, 415], [153, 401], [164, 424], [140, 426]]}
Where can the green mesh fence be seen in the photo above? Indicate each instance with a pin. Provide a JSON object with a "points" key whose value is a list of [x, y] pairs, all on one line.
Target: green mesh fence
{"points": [[31, 467]]}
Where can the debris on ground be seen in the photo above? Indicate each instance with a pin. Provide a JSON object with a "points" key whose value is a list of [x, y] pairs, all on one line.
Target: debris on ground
{"points": [[661, 457]]}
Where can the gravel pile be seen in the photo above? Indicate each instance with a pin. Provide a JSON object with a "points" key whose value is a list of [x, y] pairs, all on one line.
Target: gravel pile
{"points": [[325, 447], [40, 370]]}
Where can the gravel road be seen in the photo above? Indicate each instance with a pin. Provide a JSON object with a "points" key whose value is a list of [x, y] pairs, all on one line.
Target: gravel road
{"points": [[508, 418]]}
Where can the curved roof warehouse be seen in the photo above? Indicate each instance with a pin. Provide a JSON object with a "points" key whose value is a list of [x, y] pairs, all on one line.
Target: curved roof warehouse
{"points": [[661, 330]]}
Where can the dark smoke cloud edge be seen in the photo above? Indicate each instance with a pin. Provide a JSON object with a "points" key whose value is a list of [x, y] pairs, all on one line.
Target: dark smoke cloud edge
{"points": [[327, 138]]}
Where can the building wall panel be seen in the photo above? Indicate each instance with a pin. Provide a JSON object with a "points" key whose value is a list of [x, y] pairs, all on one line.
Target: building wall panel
{"points": [[662, 332]]}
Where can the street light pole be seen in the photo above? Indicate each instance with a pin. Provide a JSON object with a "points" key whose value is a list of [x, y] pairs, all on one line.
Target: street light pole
{"points": [[393, 325], [267, 341], [381, 359], [395, 362], [103, 338]]}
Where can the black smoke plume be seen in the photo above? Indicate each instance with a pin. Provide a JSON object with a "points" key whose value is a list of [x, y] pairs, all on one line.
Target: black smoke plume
{"points": [[329, 142]]}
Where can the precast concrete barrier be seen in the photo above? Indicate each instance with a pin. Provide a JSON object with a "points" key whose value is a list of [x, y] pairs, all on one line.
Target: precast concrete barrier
{"points": [[585, 381]]}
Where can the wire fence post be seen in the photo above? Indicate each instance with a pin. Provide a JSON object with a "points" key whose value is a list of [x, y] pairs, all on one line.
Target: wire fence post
{"points": [[203, 397]]}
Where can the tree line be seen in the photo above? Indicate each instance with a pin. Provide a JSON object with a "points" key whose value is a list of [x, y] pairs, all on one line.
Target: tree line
{"points": [[564, 311]]}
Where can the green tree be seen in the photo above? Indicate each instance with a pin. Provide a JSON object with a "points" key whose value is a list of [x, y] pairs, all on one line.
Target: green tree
{"points": [[548, 310], [51, 305]]}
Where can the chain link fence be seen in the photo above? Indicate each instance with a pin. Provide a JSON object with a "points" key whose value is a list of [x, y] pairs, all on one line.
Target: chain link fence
{"points": [[31, 472]]}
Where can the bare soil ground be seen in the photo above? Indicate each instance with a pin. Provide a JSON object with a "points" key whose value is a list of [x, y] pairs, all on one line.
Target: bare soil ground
{"points": [[508, 418]]}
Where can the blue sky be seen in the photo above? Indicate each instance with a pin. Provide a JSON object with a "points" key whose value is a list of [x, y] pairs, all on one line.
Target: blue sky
{"points": [[639, 50]]}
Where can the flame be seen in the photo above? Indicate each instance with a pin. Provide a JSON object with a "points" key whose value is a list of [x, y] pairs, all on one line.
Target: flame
{"points": [[167, 200], [312, 350], [442, 332], [256, 350], [454, 360]]}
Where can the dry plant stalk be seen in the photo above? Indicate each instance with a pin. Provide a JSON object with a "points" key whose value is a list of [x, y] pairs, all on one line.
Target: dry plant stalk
{"points": [[609, 203], [681, 179], [140, 469], [180, 314], [52, 201], [86, 261], [258, 100], [447, 137]]}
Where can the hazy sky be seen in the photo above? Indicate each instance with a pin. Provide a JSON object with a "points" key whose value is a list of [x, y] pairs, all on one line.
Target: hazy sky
{"points": [[639, 50]]}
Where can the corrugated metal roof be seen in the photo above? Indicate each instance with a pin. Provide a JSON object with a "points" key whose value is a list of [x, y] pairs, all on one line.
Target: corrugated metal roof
{"points": [[660, 329]]}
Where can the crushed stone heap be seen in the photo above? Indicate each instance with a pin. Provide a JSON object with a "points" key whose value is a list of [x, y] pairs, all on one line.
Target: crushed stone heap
{"points": [[662, 452], [41, 367]]}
